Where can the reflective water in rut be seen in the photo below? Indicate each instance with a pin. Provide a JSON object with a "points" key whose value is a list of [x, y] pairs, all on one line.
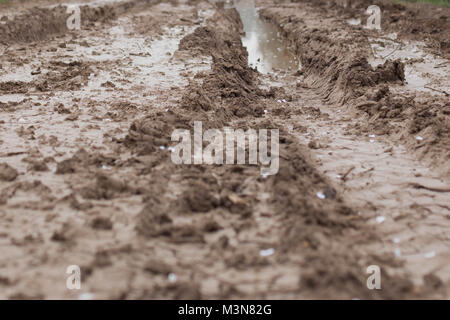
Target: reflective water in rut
{"points": [[265, 46]]}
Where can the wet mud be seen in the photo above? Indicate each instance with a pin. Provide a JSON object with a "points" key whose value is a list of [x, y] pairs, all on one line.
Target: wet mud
{"points": [[86, 175], [336, 61]]}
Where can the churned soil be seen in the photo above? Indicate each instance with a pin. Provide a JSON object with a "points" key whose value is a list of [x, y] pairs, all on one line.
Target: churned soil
{"points": [[86, 176]]}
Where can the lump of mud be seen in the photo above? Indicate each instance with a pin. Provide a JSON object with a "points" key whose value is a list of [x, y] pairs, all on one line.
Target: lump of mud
{"points": [[7, 173], [101, 223], [12, 87], [157, 267], [390, 71], [242, 259], [101, 259], [199, 198], [236, 204], [61, 109], [81, 160], [37, 165], [66, 166], [67, 232], [353, 78], [196, 99], [64, 76], [430, 114], [203, 40], [148, 134], [105, 187], [154, 130], [210, 226], [153, 219]]}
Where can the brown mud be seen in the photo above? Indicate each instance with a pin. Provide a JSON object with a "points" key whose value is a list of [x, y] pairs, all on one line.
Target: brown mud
{"points": [[86, 176], [336, 61]]}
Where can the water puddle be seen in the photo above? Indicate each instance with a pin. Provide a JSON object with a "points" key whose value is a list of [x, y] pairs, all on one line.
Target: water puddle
{"points": [[266, 49]]}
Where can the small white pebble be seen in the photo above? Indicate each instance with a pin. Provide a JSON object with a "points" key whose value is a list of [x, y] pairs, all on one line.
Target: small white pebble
{"points": [[279, 101], [107, 120], [398, 252], [371, 136], [284, 100], [172, 277], [267, 252], [171, 149], [320, 195], [162, 147], [167, 110], [338, 176], [22, 120], [371, 141], [396, 240], [430, 254], [380, 219], [265, 111], [105, 167], [419, 138]]}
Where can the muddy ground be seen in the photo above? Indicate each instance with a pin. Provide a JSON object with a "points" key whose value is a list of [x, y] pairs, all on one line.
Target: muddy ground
{"points": [[86, 176]]}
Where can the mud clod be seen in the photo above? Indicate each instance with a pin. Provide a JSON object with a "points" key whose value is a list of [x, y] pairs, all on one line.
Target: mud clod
{"points": [[7, 173]]}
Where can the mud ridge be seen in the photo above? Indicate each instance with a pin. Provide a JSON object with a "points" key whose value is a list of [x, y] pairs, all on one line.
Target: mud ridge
{"points": [[40, 23], [338, 65]]}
